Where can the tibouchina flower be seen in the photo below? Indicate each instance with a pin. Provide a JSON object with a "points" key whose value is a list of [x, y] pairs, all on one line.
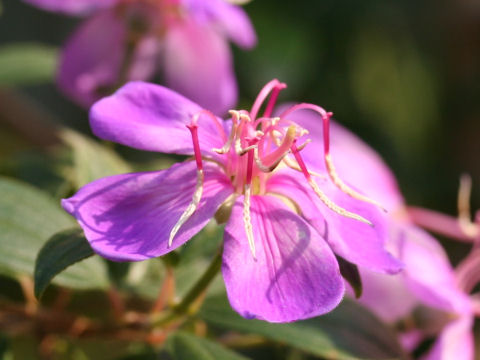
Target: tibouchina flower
{"points": [[428, 278], [282, 220], [124, 40]]}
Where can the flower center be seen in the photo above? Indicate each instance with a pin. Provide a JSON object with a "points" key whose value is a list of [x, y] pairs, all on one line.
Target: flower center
{"points": [[257, 146]]}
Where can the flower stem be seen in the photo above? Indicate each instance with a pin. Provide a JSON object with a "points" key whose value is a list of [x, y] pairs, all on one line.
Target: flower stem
{"points": [[198, 289], [186, 305]]}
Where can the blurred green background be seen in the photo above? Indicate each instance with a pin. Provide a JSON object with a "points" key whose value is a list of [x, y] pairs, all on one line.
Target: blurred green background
{"points": [[404, 75]]}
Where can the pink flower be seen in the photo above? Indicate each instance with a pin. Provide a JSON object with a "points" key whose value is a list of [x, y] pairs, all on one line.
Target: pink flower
{"points": [[428, 278], [124, 40], [251, 172]]}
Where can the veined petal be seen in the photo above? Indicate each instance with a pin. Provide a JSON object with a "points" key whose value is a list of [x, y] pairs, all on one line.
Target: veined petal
{"points": [[355, 161], [129, 217], [151, 117], [92, 58], [295, 276], [72, 7], [455, 342], [198, 64], [355, 241], [231, 19], [428, 272]]}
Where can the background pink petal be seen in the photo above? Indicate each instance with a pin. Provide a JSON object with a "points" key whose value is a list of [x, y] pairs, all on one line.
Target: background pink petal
{"points": [[230, 19], [428, 272], [151, 117], [295, 276], [92, 58], [198, 64], [129, 217], [455, 342], [72, 7]]}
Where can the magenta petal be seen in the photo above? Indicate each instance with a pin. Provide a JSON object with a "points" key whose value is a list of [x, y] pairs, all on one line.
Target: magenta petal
{"points": [[92, 58], [295, 276], [72, 7], [151, 117], [231, 19], [198, 64], [129, 217], [428, 272], [455, 342], [355, 241]]}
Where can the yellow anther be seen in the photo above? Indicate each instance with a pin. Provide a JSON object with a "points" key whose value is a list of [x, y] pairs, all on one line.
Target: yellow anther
{"points": [[344, 187], [197, 195]]}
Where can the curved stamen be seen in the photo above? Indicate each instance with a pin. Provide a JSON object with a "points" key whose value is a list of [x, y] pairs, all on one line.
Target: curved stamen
{"points": [[321, 195], [463, 202], [217, 122], [197, 195], [226, 147], [247, 220], [294, 166], [328, 159], [271, 86]]}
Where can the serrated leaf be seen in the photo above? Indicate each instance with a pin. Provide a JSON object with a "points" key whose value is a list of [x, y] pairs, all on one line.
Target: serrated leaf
{"points": [[59, 252], [185, 346], [28, 63], [28, 218], [348, 332], [92, 160]]}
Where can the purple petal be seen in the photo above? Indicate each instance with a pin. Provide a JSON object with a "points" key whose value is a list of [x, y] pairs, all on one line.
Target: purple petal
{"points": [[72, 7], [455, 342], [92, 58], [355, 241], [198, 64], [231, 19], [129, 217], [295, 276], [151, 117], [355, 161], [428, 272]]}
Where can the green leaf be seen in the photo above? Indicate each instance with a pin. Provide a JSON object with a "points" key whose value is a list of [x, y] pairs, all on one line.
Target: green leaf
{"points": [[62, 250], [28, 63], [92, 160], [28, 218], [348, 332], [185, 346]]}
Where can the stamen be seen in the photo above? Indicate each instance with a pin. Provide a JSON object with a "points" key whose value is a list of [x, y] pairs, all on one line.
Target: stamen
{"points": [[321, 195], [328, 160], [344, 187], [226, 147], [271, 86], [247, 220], [464, 221], [277, 155], [294, 166], [197, 195], [217, 122]]}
